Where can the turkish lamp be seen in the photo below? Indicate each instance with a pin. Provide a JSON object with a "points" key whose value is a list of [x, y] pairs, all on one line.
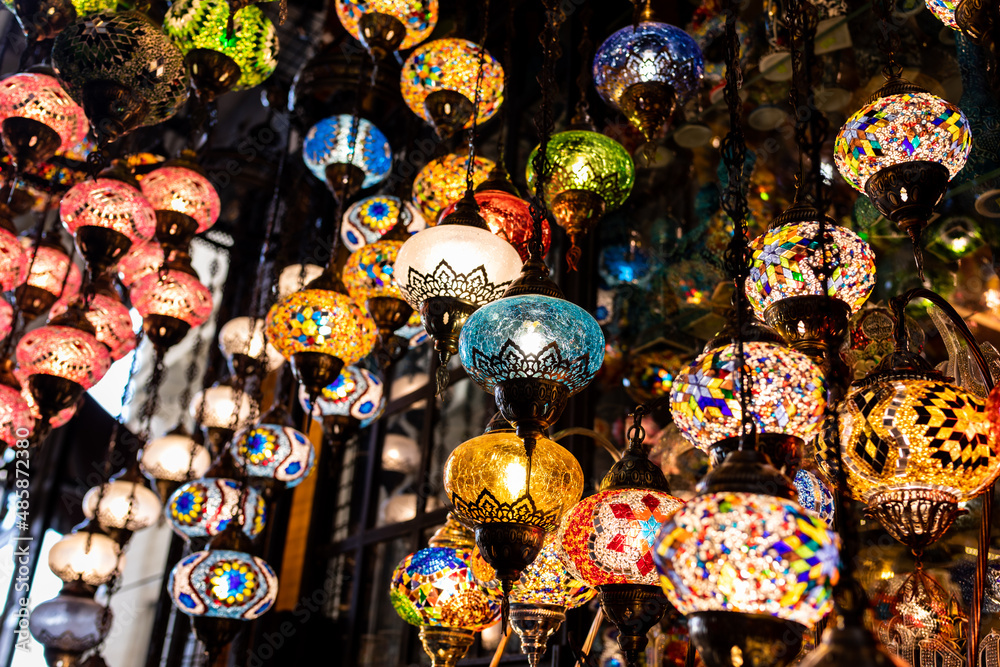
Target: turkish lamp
{"points": [[436, 590], [511, 495], [180, 192], [786, 284], [438, 82], [443, 181], [589, 175], [352, 401], [607, 539], [273, 454], [246, 349], [222, 410], [70, 624], [448, 271], [646, 71], [142, 259], [385, 26], [509, 217], [122, 505], [296, 276], [369, 219], [901, 149], [16, 420], [746, 564], [104, 309], [172, 459], [47, 281], [37, 118], [86, 555], [347, 157], [13, 258]]}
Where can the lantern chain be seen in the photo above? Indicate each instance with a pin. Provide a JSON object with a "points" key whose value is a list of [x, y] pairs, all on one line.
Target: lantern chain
{"points": [[478, 97], [888, 38]]}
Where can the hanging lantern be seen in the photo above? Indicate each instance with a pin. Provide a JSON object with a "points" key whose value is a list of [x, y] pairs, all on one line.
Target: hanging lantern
{"points": [[646, 71], [786, 285], [61, 360], [16, 420], [180, 188], [447, 272], [589, 175], [215, 408], [814, 495], [438, 83], [202, 508], [223, 49], [70, 624], [142, 259], [86, 555], [38, 118], [274, 455], [901, 149], [48, 280], [327, 152], [371, 218], [436, 590], [122, 70], [354, 400], [296, 276], [171, 303], [511, 494], [509, 217], [755, 589], [650, 371], [172, 459], [123, 505], [945, 11], [13, 259], [247, 352], [607, 541], [108, 315], [6, 318], [442, 181], [384, 26]]}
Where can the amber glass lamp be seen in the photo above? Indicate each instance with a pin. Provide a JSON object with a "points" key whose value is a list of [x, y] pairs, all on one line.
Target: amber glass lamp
{"points": [[384, 26], [442, 181]]}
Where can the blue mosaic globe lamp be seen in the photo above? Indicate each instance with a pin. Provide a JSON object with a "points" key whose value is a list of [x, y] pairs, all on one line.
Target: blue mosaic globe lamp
{"points": [[274, 454], [346, 157], [352, 401]]}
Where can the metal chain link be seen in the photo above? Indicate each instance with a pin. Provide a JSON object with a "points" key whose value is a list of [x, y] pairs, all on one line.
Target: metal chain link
{"points": [[481, 65], [888, 38]]}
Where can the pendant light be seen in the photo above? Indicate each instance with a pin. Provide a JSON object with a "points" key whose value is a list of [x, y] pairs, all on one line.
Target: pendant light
{"points": [[38, 119], [16, 418], [70, 624], [172, 459], [53, 275], [140, 260], [508, 216], [221, 410], [13, 259], [180, 190], [384, 26], [354, 400], [86, 555], [274, 455], [369, 219], [103, 308], [122, 505], [442, 181], [347, 154]]}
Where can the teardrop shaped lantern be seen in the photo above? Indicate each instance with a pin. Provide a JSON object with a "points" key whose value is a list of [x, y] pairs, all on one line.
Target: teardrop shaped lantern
{"points": [[47, 281], [345, 157], [38, 118]]}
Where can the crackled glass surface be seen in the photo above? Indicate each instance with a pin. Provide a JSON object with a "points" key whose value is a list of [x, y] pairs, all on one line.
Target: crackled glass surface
{"points": [[417, 16], [509, 217], [40, 97], [371, 218], [92, 558], [455, 261], [315, 320], [296, 276], [442, 181], [451, 64], [546, 581], [173, 294], [176, 188], [221, 583], [48, 271], [486, 480], [140, 260], [917, 434], [122, 504], [788, 394], [436, 587], [649, 52], [608, 538], [13, 261], [236, 337], [787, 262], [202, 24], [532, 336], [215, 407], [908, 127], [944, 10], [174, 457], [126, 48], [65, 352], [329, 142], [814, 495], [15, 416], [589, 161], [357, 392], [272, 451], [748, 553], [110, 319], [204, 507], [108, 203], [370, 271]]}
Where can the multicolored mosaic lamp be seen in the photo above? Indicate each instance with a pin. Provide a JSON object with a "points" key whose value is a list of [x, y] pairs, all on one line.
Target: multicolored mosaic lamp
{"points": [[371, 218], [274, 455], [172, 459], [123, 505], [511, 495], [607, 542], [104, 62], [354, 400], [111, 320], [223, 49], [246, 349], [436, 590], [86, 555], [346, 158], [646, 71], [442, 181], [945, 11], [202, 508], [438, 83], [171, 302], [509, 217], [47, 281], [590, 175], [38, 118], [384, 26]]}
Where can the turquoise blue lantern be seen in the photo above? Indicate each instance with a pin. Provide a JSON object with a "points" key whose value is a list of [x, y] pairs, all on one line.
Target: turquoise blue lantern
{"points": [[327, 153]]}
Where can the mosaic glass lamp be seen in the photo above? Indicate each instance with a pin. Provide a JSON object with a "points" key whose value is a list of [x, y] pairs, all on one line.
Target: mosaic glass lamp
{"points": [[38, 118], [436, 590], [814, 495], [87, 555], [171, 302], [646, 71], [140, 260], [442, 181], [945, 11], [590, 175], [371, 218], [327, 153], [110, 318], [513, 496], [104, 61], [384, 26], [47, 281], [607, 541], [123, 505], [70, 624], [246, 349], [224, 50], [181, 187], [172, 459], [786, 286], [13, 258], [202, 508], [106, 216], [320, 329], [438, 83], [509, 217], [650, 371], [6, 318], [16, 420], [274, 454], [901, 149], [354, 400]]}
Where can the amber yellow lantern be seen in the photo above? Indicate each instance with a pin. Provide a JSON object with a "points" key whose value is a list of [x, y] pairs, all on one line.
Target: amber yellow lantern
{"points": [[384, 26]]}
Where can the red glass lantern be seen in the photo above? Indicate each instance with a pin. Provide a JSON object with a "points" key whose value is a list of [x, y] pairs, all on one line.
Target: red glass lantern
{"points": [[38, 118], [509, 217], [110, 318], [180, 186], [13, 261], [170, 302], [140, 260], [48, 281], [16, 420]]}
